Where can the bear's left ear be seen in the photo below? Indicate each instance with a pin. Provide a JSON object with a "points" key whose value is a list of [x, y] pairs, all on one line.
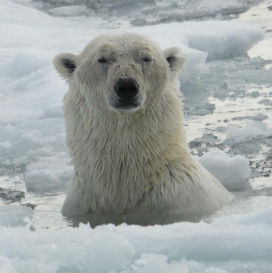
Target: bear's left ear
{"points": [[175, 59], [65, 64]]}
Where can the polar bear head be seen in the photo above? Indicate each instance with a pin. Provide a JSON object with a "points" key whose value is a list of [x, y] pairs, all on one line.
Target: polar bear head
{"points": [[123, 73]]}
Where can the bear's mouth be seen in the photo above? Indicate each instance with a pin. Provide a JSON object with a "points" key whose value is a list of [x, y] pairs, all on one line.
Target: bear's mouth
{"points": [[126, 104]]}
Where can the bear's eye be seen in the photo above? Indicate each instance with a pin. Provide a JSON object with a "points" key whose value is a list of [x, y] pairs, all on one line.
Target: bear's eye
{"points": [[102, 60], [146, 59]]}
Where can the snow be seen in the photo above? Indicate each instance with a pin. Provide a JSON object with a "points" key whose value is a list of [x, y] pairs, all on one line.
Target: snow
{"points": [[234, 242], [232, 172]]}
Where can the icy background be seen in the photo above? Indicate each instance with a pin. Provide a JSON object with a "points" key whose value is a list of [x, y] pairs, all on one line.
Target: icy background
{"points": [[227, 90]]}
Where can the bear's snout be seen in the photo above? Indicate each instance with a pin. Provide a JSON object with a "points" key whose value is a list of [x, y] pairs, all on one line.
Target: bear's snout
{"points": [[127, 94], [126, 89]]}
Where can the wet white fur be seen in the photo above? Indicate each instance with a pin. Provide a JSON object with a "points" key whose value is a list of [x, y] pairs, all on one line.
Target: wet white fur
{"points": [[131, 161]]}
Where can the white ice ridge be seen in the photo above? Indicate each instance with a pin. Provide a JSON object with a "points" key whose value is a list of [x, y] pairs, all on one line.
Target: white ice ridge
{"points": [[234, 242]]}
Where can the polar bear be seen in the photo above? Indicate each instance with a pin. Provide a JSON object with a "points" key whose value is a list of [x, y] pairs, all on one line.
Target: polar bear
{"points": [[125, 134]]}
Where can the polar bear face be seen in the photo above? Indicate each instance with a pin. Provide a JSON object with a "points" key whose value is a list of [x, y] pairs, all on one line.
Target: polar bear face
{"points": [[123, 73]]}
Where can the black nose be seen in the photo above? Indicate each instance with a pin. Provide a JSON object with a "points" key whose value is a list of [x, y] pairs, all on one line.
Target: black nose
{"points": [[126, 88]]}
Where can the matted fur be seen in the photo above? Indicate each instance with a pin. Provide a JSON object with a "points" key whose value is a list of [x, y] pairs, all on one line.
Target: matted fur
{"points": [[137, 160]]}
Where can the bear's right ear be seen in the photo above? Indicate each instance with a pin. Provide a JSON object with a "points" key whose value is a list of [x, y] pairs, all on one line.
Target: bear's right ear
{"points": [[175, 60], [65, 64]]}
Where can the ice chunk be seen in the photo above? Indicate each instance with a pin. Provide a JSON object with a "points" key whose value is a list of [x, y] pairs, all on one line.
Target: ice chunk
{"points": [[194, 65], [199, 41], [49, 174], [259, 117], [29, 140], [12, 215], [52, 111], [232, 172], [11, 195], [266, 102], [24, 63], [252, 129], [159, 263], [219, 39], [223, 39], [72, 10]]}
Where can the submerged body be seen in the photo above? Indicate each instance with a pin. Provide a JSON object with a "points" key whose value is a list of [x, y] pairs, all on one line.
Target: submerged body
{"points": [[125, 132]]}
